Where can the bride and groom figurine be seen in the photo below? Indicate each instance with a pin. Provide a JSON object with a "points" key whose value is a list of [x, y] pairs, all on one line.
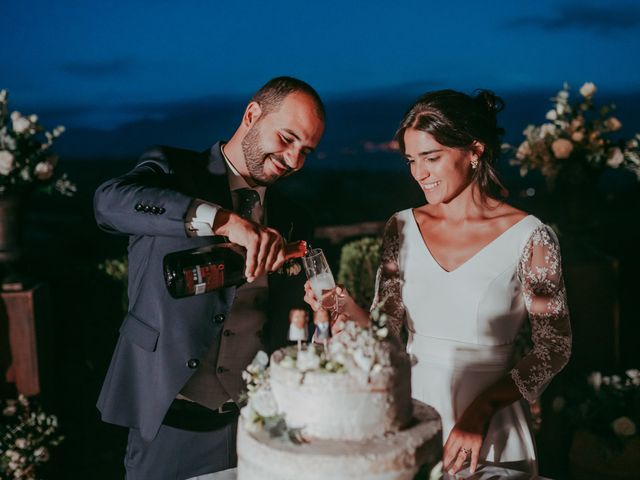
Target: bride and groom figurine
{"points": [[298, 320]]}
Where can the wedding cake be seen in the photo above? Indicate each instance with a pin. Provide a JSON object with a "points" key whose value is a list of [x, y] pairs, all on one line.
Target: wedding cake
{"points": [[343, 413]]}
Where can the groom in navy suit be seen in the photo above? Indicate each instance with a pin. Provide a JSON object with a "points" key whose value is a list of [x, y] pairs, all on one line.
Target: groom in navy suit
{"points": [[175, 375]]}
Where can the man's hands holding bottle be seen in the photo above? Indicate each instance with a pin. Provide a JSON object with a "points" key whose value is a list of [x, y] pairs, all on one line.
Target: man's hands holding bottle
{"points": [[265, 246]]}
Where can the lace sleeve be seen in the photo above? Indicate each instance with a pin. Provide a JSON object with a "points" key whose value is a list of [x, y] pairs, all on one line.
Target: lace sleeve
{"points": [[388, 288], [545, 298]]}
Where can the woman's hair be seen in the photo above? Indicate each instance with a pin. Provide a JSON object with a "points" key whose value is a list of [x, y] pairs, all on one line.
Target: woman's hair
{"points": [[456, 120]]}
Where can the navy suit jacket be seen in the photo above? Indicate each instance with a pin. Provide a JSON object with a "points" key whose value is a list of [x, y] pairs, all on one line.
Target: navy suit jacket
{"points": [[162, 338]]}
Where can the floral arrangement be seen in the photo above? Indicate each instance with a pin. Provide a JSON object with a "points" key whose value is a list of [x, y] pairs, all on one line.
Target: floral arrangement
{"points": [[358, 351], [578, 131], [26, 159], [26, 435], [608, 406]]}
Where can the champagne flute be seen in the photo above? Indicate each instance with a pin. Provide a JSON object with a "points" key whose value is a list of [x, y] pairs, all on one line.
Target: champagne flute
{"points": [[319, 274]]}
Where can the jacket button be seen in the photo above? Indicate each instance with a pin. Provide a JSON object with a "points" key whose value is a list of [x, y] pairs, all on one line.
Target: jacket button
{"points": [[155, 210], [219, 318], [227, 333], [193, 363], [161, 210], [146, 208], [222, 370], [139, 207]]}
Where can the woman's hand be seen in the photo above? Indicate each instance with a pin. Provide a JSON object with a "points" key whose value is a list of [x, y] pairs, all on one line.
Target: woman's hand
{"points": [[465, 439], [339, 303]]}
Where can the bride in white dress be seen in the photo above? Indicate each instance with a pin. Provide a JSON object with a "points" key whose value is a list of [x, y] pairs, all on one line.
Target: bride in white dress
{"points": [[460, 275]]}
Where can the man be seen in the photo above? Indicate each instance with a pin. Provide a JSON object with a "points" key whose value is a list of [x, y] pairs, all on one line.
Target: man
{"points": [[175, 375]]}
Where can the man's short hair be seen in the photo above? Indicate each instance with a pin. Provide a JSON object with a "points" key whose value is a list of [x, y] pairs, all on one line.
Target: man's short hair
{"points": [[272, 93]]}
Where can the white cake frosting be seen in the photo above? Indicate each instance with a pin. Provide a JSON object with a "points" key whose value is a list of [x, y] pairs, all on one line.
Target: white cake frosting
{"points": [[391, 457], [345, 413], [343, 405]]}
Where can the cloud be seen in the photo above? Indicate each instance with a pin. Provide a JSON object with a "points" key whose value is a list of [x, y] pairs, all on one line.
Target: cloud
{"points": [[603, 19], [99, 68]]}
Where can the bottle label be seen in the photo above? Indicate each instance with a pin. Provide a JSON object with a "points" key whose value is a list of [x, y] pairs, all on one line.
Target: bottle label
{"points": [[204, 278]]}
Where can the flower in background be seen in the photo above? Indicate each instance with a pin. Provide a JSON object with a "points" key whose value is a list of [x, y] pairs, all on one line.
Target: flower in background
{"points": [[26, 159], [576, 132], [605, 405], [27, 434]]}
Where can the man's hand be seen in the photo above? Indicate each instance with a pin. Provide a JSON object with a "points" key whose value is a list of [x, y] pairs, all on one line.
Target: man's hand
{"points": [[265, 246]]}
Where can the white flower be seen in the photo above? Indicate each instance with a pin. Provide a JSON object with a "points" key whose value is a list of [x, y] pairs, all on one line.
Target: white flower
{"points": [[21, 443], [562, 148], [261, 359], [624, 427], [3, 95], [42, 453], [307, 360], [551, 115], [363, 361], [547, 129], [524, 150], [59, 130], [588, 89], [563, 94], [615, 158], [43, 170], [616, 380], [612, 124], [633, 374], [595, 380], [20, 123], [287, 362], [6, 162], [382, 332], [263, 402], [33, 118]]}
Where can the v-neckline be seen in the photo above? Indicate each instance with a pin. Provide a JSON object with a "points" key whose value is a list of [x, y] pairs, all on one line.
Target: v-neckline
{"points": [[472, 257]]}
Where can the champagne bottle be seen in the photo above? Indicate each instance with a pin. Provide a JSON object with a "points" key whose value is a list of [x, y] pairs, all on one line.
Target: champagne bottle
{"points": [[204, 269]]}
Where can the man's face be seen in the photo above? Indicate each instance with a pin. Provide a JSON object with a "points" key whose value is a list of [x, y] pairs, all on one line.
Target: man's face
{"points": [[279, 142], [298, 318]]}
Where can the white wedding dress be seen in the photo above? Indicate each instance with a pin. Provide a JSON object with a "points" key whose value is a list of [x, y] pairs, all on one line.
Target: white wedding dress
{"points": [[462, 324]]}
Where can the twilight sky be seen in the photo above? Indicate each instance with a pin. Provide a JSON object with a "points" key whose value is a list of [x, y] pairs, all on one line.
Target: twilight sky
{"points": [[99, 65]]}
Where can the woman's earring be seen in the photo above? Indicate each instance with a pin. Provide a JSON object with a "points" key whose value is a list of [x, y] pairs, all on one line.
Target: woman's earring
{"points": [[474, 162]]}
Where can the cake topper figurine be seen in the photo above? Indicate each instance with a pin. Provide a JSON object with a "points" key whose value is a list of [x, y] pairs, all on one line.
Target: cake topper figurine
{"points": [[322, 322], [298, 319]]}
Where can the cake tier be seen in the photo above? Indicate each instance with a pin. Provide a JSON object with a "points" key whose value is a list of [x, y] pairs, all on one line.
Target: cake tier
{"points": [[395, 456], [343, 406]]}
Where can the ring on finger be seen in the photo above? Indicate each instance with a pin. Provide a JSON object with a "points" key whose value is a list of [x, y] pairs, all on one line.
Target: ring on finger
{"points": [[465, 451]]}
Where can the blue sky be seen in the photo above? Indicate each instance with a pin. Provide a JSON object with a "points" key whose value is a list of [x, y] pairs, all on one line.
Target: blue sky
{"points": [[96, 64]]}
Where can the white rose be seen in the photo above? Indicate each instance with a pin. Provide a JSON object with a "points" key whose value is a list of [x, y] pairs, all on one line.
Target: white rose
{"points": [[263, 402], [33, 118], [633, 373], [524, 150], [307, 360], [20, 123], [616, 157], [6, 162], [624, 427], [382, 332], [595, 380], [21, 443], [59, 130], [612, 124], [562, 148], [588, 89], [547, 129], [363, 361], [43, 170], [3, 95], [551, 115], [42, 453]]}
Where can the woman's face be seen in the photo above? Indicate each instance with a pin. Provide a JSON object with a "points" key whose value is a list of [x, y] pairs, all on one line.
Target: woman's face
{"points": [[442, 172]]}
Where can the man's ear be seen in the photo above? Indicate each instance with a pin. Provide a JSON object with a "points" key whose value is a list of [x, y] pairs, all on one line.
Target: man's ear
{"points": [[251, 114]]}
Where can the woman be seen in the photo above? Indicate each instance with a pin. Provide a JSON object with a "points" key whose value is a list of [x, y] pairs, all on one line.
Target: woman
{"points": [[460, 275]]}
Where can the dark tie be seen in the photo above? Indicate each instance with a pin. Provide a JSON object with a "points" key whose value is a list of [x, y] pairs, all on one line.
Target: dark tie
{"points": [[249, 204]]}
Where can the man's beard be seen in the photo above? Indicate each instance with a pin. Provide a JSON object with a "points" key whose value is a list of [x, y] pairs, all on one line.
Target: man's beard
{"points": [[255, 158]]}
